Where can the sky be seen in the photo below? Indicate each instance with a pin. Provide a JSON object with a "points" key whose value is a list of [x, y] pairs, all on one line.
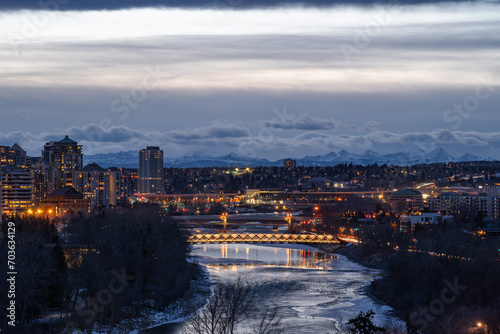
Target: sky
{"points": [[278, 80]]}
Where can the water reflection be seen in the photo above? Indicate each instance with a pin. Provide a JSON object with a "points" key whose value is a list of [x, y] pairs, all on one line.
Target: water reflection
{"points": [[231, 256], [312, 290]]}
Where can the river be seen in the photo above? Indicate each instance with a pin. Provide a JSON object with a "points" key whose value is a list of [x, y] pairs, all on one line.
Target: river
{"points": [[314, 291]]}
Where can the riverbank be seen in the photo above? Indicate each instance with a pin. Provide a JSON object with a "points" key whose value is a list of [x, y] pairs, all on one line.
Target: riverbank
{"points": [[194, 299], [148, 318], [316, 292], [358, 255]]}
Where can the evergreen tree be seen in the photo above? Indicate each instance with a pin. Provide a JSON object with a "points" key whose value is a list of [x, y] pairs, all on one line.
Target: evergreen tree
{"points": [[363, 324]]}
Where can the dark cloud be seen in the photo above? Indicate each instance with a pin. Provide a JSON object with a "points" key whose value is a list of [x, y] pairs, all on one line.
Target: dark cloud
{"points": [[445, 136], [471, 141], [367, 127], [413, 138], [222, 138], [218, 131], [93, 132], [16, 137], [302, 122]]}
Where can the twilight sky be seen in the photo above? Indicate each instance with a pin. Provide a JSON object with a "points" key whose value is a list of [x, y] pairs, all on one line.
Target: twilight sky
{"points": [[271, 82]]}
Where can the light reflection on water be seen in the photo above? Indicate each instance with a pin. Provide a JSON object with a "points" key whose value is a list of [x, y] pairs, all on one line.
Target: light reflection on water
{"points": [[232, 256], [313, 290]]}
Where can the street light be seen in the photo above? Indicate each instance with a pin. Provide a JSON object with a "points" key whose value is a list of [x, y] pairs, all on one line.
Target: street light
{"points": [[485, 326], [224, 219], [289, 221]]}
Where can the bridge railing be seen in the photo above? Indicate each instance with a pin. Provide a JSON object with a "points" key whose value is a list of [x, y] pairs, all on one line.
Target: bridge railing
{"points": [[261, 238]]}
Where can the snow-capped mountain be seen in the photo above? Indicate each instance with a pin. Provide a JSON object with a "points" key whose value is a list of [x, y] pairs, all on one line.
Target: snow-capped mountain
{"points": [[412, 157]]}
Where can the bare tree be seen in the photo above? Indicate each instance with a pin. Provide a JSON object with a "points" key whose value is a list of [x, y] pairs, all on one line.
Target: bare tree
{"points": [[210, 320], [239, 304], [229, 306], [270, 322]]}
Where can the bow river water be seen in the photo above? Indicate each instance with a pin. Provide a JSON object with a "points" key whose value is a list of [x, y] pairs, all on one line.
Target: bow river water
{"points": [[313, 291]]}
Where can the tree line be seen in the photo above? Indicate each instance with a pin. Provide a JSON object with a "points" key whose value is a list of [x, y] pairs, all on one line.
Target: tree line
{"points": [[121, 262], [440, 279]]}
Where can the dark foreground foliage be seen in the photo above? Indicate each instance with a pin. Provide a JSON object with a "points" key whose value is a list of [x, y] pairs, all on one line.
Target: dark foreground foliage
{"points": [[442, 281], [119, 262]]}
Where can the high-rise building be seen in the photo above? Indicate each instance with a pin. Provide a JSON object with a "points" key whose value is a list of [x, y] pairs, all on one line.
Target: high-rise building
{"points": [[19, 157], [15, 184], [151, 177], [40, 175], [4, 156], [127, 182], [460, 203], [14, 156], [406, 199], [289, 163], [15, 180], [100, 186], [64, 158]]}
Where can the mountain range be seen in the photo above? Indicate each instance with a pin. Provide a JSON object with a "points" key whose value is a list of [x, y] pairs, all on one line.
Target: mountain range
{"points": [[129, 159]]}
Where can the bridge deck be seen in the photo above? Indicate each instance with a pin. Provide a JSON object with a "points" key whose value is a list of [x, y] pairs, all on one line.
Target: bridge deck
{"points": [[262, 238]]}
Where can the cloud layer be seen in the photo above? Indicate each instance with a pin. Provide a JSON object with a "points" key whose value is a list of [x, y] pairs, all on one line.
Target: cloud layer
{"points": [[223, 4], [274, 83], [302, 122], [221, 138]]}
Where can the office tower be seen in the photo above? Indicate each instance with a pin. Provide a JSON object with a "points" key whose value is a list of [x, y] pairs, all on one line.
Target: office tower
{"points": [[64, 158], [126, 183], [15, 180], [100, 186], [459, 203], [406, 199], [4, 156], [19, 157], [40, 175], [151, 170], [289, 164], [14, 156], [15, 184]]}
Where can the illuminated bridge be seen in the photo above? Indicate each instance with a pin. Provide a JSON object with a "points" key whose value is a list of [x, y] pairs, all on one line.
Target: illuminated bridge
{"points": [[262, 238]]}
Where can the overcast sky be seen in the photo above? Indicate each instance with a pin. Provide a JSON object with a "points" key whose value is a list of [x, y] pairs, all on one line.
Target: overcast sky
{"points": [[233, 76]]}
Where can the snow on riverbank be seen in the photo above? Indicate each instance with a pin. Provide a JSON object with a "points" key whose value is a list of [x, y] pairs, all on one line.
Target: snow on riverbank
{"points": [[194, 298], [311, 298], [316, 300]]}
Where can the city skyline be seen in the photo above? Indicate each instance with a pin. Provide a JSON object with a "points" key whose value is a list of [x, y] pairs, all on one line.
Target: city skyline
{"points": [[267, 82]]}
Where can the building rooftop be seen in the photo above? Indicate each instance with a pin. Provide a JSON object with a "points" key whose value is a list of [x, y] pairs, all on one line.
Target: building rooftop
{"points": [[407, 192], [319, 179], [66, 140], [67, 191], [16, 147], [92, 168]]}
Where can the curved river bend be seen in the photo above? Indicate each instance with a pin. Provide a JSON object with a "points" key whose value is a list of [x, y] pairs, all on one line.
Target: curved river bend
{"points": [[314, 291]]}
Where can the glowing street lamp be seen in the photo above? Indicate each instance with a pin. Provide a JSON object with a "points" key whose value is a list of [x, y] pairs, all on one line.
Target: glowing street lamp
{"points": [[289, 221], [224, 219], [485, 326]]}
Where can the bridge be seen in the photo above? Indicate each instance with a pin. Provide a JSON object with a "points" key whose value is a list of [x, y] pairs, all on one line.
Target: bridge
{"points": [[262, 238], [236, 219]]}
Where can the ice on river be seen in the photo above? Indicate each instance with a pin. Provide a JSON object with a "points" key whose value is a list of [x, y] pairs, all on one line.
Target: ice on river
{"points": [[313, 290]]}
